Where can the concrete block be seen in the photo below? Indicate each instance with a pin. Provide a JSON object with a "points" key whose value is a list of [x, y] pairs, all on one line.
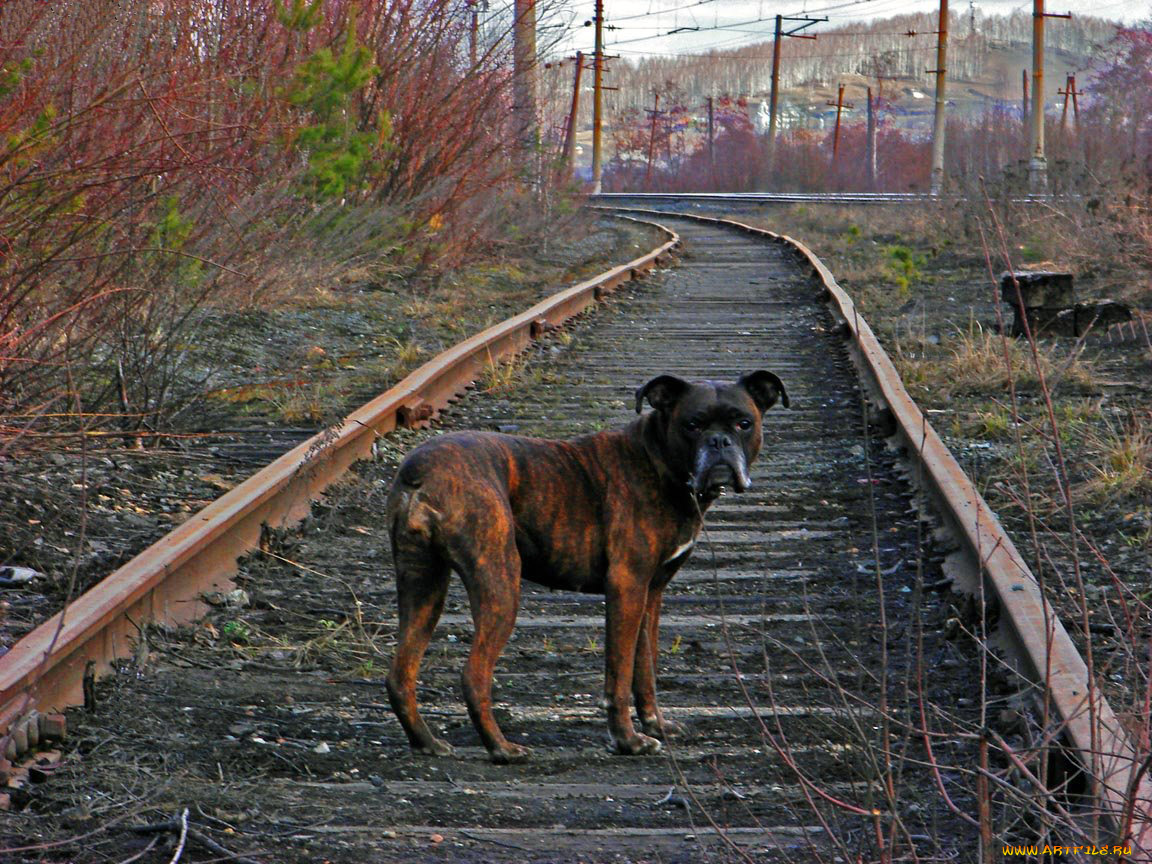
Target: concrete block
{"points": [[1039, 289]]}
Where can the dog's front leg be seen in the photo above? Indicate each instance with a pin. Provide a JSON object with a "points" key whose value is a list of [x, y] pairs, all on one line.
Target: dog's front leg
{"points": [[652, 719], [626, 600]]}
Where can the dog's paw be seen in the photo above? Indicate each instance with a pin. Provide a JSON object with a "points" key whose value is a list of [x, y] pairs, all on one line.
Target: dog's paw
{"points": [[662, 728], [637, 745], [509, 754], [435, 747]]}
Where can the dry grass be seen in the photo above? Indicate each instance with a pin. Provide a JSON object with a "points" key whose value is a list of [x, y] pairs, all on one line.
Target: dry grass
{"points": [[1120, 461], [977, 361], [503, 376]]}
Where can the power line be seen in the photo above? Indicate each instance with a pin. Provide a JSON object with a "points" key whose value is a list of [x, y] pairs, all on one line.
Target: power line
{"points": [[728, 27], [927, 49], [659, 12]]}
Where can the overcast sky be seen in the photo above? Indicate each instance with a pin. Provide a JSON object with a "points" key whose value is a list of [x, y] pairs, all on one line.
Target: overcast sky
{"points": [[644, 26]]}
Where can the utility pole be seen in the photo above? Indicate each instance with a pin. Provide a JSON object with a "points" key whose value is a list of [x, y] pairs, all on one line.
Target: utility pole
{"points": [[1038, 164], [655, 112], [1070, 91], [474, 30], [774, 97], [711, 142], [597, 98], [1024, 105], [524, 77], [870, 157], [840, 106], [938, 124], [570, 131]]}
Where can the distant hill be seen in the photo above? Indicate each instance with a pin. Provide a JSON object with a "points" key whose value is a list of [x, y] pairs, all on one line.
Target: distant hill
{"points": [[986, 56]]}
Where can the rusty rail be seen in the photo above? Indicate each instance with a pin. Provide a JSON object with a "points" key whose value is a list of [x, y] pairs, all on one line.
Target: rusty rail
{"points": [[1038, 644], [45, 670]]}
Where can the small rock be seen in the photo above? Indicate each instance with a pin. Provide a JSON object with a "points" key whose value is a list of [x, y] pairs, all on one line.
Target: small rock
{"points": [[322, 748], [436, 838], [12, 577], [237, 598]]}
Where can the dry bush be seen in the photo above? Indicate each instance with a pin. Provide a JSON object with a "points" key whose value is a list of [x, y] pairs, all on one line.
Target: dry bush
{"points": [[162, 160]]}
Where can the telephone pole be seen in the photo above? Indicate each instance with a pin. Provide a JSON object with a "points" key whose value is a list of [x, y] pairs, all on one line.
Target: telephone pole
{"points": [[570, 131], [474, 30], [840, 106], [938, 124], [1070, 91], [1038, 164], [1024, 104], [870, 156], [711, 142], [774, 97], [597, 98], [524, 77], [655, 112]]}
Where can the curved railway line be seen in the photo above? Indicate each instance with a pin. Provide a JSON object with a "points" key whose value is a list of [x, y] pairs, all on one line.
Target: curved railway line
{"points": [[835, 701]]}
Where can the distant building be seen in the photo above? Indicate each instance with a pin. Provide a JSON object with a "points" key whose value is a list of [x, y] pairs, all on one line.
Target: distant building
{"points": [[789, 116]]}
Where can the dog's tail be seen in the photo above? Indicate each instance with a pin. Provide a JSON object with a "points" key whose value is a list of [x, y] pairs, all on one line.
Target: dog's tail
{"points": [[408, 512]]}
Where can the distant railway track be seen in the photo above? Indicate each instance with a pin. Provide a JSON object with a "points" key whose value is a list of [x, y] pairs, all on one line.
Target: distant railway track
{"points": [[681, 199], [797, 638], [741, 201]]}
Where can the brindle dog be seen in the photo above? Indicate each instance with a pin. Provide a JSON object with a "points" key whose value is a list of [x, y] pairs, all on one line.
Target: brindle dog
{"points": [[613, 513]]}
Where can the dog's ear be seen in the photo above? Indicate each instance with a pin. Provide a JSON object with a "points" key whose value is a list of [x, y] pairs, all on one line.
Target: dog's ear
{"points": [[764, 388], [662, 392]]}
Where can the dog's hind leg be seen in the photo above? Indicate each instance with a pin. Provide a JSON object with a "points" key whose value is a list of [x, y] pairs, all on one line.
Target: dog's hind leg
{"points": [[421, 586], [492, 579]]}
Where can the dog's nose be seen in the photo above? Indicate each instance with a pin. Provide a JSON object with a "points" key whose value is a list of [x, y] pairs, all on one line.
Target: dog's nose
{"points": [[719, 441]]}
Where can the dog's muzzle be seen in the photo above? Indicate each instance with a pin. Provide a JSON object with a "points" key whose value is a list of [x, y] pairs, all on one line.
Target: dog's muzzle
{"points": [[719, 465]]}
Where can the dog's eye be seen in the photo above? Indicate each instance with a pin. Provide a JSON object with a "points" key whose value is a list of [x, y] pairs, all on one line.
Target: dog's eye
{"points": [[692, 425], [745, 424]]}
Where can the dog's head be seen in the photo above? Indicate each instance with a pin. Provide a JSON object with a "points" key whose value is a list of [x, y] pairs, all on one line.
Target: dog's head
{"points": [[710, 432]]}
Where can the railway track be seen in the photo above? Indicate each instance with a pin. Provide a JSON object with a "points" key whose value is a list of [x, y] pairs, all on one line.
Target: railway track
{"points": [[801, 649]]}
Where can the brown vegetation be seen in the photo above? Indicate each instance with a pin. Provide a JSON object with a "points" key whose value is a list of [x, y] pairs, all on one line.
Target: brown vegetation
{"points": [[163, 161]]}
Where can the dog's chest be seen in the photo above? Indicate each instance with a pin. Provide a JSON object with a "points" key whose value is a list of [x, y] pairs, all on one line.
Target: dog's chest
{"points": [[687, 540]]}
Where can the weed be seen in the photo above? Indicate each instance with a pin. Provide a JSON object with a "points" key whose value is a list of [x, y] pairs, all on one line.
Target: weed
{"points": [[978, 361], [236, 631], [903, 266], [503, 376], [406, 356], [367, 669], [419, 308], [997, 423], [303, 402], [1122, 455]]}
